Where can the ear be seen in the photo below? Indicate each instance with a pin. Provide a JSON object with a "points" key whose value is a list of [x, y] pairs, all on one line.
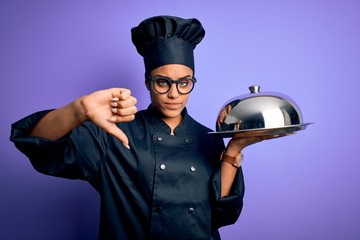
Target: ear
{"points": [[147, 85]]}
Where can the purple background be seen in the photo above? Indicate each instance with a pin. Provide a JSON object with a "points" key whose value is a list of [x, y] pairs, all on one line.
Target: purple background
{"points": [[300, 187]]}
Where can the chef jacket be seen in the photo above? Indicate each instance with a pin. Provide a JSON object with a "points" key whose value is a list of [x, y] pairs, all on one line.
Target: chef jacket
{"points": [[165, 187]]}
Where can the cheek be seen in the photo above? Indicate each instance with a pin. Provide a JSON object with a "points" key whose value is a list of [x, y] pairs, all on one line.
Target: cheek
{"points": [[155, 97], [186, 98]]}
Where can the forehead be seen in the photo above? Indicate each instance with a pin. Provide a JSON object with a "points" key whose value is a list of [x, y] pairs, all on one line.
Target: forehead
{"points": [[173, 71]]}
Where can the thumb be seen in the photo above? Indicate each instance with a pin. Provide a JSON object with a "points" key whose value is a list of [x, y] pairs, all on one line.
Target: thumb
{"points": [[119, 134]]}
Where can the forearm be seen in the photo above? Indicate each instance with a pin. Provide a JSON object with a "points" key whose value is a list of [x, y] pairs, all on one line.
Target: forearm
{"points": [[228, 172], [59, 122]]}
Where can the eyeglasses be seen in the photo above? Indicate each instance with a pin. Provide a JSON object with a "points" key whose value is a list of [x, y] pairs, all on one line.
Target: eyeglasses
{"points": [[163, 85]]}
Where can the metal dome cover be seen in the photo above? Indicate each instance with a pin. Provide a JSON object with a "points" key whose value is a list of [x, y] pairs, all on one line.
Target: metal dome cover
{"points": [[258, 114]]}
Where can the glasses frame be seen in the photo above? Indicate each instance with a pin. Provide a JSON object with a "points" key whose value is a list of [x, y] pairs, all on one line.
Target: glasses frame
{"points": [[176, 82]]}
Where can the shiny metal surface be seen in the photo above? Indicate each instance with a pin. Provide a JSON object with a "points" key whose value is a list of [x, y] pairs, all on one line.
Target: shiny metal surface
{"points": [[259, 113]]}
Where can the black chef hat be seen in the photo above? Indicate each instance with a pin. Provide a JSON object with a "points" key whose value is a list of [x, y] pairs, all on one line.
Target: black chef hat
{"points": [[165, 40]]}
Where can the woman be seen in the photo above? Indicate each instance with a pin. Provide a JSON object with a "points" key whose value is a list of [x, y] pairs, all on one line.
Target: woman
{"points": [[157, 171]]}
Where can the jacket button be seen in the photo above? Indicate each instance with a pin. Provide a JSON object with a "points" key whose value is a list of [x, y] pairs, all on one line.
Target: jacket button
{"points": [[159, 138], [186, 140], [191, 210], [162, 166], [192, 168]]}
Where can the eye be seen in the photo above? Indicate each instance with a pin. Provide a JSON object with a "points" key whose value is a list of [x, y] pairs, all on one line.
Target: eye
{"points": [[162, 82], [184, 83]]}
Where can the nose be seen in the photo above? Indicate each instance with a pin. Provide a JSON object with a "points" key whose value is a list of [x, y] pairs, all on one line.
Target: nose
{"points": [[173, 92]]}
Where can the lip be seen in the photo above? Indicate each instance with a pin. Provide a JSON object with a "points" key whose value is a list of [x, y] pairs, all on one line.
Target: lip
{"points": [[173, 106]]}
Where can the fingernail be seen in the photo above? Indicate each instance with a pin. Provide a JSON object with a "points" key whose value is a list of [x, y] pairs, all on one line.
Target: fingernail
{"points": [[114, 110], [127, 146], [115, 99], [112, 119], [114, 104]]}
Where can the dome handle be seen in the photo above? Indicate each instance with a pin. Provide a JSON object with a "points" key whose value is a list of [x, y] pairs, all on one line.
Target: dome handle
{"points": [[254, 89]]}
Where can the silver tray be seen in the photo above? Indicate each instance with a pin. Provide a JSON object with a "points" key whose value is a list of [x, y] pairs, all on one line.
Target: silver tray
{"points": [[261, 131]]}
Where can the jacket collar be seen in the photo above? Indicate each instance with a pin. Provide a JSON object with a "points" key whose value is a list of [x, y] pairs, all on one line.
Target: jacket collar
{"points": [[159, 124]]}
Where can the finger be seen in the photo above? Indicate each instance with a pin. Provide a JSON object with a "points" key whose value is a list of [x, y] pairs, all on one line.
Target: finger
{"points": [[283, 135], [123, 93], [125, 111], [119, 93], [128, 102], [118, 118], [119, 134]]}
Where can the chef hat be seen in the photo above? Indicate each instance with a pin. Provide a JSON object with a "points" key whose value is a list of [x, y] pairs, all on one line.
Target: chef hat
{"points": [[165, 40]]}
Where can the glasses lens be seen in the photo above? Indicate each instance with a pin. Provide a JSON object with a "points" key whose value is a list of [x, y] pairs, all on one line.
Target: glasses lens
{"points": [[162, 85], [185, 85]]}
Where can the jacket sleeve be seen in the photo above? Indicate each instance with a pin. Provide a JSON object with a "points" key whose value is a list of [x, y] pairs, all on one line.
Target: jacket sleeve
{"points": [[226, 210], [75, 156]]}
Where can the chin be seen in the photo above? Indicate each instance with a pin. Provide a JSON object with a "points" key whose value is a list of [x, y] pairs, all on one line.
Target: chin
{"points": [[172, 113]]}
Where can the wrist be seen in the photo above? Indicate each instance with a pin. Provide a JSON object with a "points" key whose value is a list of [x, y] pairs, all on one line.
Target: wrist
{"points": [[235, 146], [79, 111], [233, 159]]}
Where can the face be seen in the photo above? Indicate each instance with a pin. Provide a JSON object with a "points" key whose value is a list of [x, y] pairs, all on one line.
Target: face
{"points": [[170, 104]]}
